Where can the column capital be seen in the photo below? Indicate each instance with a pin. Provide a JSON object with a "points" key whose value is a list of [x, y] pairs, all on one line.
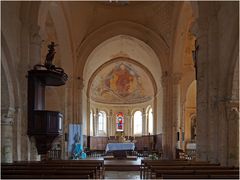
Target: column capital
{"points": [[165, 80], [8, 116]]}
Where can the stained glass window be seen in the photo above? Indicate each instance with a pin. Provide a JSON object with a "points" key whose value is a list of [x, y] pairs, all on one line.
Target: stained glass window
{"points": [[120, 122]]}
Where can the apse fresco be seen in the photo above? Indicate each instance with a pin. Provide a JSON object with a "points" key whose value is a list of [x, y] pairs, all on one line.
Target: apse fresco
{"points": [[121, 82]]}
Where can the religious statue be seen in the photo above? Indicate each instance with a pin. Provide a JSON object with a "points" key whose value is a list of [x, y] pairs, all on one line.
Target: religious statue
{"points": [[49, 59], [50, 56], [76, 147]]}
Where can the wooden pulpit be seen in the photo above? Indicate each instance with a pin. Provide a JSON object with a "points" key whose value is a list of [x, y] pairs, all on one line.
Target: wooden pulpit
{"points": [[44, 125]]}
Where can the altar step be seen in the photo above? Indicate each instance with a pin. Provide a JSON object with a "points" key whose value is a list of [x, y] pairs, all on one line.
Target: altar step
{"points": [[122, 165]]}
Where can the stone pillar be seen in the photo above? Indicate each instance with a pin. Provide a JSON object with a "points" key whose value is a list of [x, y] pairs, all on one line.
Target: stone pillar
{"points": [[176, 105], [68, 114], [213, 85], [110, 123], [167, 123], [95, 122], [33, 150], [202, 88], [7, 121], [182, 125], [144, 119], [232, 158]]}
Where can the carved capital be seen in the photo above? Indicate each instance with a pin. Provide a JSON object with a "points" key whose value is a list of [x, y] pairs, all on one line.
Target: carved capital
{"points": [[7, 117], [164, 80]]}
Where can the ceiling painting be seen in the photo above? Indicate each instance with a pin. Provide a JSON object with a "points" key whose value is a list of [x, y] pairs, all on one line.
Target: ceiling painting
{"points": [[121, 82]]}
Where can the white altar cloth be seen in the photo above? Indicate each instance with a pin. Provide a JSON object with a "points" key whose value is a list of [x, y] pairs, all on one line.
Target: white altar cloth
{"points": [[120, 146]]}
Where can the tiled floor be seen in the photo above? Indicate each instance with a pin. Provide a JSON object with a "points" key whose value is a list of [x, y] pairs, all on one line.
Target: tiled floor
{"points": [[122, 175]]}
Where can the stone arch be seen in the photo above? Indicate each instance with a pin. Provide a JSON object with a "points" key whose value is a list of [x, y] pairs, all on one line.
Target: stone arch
{"points": [[126, 28], [95, 61]]}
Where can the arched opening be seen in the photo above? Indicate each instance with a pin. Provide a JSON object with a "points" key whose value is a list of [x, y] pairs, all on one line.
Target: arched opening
{"points": [[150, 121], [190, 124], [137, 123], [137, 76], [102, 124]]}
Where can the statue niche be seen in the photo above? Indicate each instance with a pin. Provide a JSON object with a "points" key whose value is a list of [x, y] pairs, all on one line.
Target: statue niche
{"points": [[44, 125]]}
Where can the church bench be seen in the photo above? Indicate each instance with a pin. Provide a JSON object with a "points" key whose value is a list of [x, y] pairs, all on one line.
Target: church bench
{"points": [[155, 168], [146, 164], [161, 173], [197, 176], [34, 176], [46, 168], [96, 166], [66, 163], [85, 162], [46, 172]]}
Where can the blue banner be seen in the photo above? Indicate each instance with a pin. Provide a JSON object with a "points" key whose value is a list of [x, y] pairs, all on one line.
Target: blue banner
{"points": [[74, 134]]}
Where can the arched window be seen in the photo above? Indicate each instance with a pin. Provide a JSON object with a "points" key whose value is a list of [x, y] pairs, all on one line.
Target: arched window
{"points": [[91, 123], [102, 123], [137, 121], [150, 121]]}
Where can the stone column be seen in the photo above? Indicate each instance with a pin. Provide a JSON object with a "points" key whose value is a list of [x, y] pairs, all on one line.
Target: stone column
{"points": [[182, 125], [110, 123], [201, 32], [144, 127], [7, 121], [167, 123], [95, 122], [175, 120], [68, 115], [35, 58], [33, 150], [232, 158]]}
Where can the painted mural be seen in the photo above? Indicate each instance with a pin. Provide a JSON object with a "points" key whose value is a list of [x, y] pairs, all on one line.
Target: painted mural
{"points": [[121, 82]]}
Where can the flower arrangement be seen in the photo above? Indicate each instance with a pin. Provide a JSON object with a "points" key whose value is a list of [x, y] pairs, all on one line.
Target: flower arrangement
{"points": [[153, 156]]}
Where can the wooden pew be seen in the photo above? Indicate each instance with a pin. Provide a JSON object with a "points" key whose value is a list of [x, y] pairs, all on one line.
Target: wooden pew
{"points": [[209, 173], [185, 167], [49, 168], [146, 164], [46, 172], [222, 176], [34, 176]]}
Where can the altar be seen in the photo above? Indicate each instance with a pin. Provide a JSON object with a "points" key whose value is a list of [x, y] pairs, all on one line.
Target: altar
{"points": [[120, 147], [119, 150]]}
